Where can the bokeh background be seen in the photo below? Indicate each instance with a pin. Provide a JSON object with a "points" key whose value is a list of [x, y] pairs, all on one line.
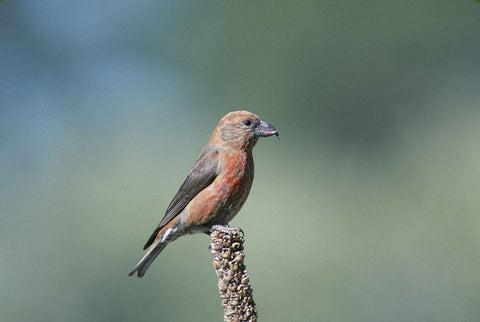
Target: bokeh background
{"points": [[366, 210]]}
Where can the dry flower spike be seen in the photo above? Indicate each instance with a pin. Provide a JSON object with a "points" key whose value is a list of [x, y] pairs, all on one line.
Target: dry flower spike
{"points": [[228, 261]]}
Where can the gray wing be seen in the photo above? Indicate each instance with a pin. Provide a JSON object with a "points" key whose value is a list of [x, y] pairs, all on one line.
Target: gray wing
{"points": [[201, 176]]}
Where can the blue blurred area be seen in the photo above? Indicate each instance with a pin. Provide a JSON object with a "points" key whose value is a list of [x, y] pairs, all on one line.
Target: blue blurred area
{"points": [[366, 210]]}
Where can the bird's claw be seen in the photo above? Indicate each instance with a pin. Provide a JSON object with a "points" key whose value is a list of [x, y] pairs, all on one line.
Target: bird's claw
{"points": [[226, 229]]}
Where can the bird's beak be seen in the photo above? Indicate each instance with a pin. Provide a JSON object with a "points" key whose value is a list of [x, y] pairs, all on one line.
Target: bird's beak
{"points": [[265, 129]]}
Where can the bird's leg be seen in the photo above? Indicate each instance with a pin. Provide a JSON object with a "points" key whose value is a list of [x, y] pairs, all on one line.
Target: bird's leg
{"points": [[225, 229]]}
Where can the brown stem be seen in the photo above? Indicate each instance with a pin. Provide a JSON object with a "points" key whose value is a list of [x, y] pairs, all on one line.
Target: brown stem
{"points": [[228, 261]]}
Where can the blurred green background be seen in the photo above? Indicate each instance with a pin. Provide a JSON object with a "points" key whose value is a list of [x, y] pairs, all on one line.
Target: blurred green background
{"points": [[366, 210]]}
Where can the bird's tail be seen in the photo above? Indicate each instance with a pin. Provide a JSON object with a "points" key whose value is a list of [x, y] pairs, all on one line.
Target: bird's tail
{"points": [[152, 253]]}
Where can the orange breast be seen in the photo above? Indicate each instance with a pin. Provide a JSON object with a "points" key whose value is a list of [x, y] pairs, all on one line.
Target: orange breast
{"points": [[221, 201]]}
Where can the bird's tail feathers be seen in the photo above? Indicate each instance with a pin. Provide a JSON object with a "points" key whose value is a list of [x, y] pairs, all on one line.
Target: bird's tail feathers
{"points": [[152, 253]]}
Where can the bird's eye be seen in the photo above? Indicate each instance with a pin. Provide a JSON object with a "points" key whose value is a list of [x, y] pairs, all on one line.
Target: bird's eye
{"points": [[247, 122]]}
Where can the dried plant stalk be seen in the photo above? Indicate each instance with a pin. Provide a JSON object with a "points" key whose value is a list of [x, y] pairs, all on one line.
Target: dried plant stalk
{"points": [[233, 280]]}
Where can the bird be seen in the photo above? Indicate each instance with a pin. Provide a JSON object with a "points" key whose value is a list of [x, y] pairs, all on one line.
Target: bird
{"points": [[215, 189]]}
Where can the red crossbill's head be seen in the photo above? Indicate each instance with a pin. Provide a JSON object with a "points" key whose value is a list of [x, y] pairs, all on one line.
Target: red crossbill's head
{"points": [[241, 129]]}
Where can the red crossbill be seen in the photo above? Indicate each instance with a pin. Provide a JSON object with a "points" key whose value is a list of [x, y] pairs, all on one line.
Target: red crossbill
{"points": [[216, 188]]}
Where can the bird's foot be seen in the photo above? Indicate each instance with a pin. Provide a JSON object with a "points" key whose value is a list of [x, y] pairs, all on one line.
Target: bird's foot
{"points": [[225, 229]]}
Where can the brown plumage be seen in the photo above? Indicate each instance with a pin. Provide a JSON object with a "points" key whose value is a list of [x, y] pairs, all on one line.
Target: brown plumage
{"points": [[217, 186]]}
